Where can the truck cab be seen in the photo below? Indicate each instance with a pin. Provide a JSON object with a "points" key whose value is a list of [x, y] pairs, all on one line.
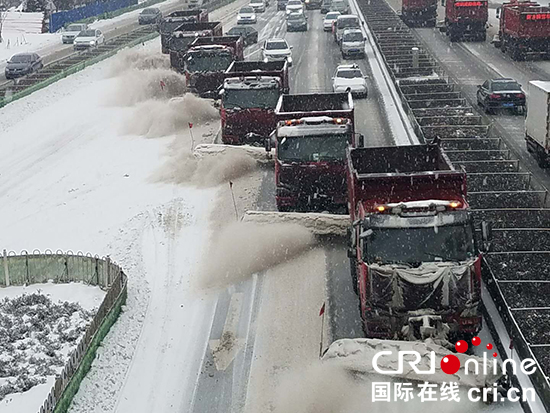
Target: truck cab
{"points": [[248, 108], [412, 247]]}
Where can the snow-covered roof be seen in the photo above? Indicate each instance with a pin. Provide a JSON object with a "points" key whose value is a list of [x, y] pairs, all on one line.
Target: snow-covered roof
{"points": [[541, 84], [252, 82], [310, 130]]}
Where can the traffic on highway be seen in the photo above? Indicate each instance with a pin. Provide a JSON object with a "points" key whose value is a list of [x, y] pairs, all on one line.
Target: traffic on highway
{"points": [[285, 206]]}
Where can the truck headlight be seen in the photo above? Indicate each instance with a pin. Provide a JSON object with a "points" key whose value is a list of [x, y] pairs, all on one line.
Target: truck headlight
{"points": [[289, 59], [92, 42]]}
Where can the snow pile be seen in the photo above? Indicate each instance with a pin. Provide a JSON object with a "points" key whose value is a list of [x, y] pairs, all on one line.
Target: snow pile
{"points": [[155, 118], [319, 224], [22, 22], [357, 355], [36, 336], [241, 249]]}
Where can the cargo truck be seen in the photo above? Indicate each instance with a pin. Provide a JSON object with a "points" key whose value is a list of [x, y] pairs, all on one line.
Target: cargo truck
{"points": [[184, 35], [173, 20], [419, 13], [466, 19], [524, 29], [250, 93], [413, 257], [537, 125], [311, 137], [207, 60]]}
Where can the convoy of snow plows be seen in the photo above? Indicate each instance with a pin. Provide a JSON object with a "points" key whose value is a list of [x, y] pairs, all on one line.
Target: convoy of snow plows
{"points": [[415, 248]]}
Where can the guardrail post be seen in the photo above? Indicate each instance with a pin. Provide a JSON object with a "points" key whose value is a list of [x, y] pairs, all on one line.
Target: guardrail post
{"points": [[108, 260], [6, 269], [415, 57]]}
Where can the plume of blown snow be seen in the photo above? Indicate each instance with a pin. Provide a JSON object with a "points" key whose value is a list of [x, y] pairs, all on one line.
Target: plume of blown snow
{"points": [[155, 118], [241, 249], [185, 168], [130, 59], [326, 387], [137, 86]]}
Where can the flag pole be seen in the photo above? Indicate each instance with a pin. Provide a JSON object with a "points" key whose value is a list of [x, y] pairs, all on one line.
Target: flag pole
{"points": [[322, 314], [192, 139]]}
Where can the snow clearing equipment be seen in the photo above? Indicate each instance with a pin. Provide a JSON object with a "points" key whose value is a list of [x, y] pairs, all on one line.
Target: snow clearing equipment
{"points": [[419, 13], [169, 23], [466, 19], [184, 35], [413, 258]]}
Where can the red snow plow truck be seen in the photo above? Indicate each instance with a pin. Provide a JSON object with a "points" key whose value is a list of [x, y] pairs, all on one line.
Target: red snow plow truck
{"points": [[413, 258], [524, 29], [466, 19], [250, 93], [311, 137], [207, 60], [173, 20], [419, 13]]}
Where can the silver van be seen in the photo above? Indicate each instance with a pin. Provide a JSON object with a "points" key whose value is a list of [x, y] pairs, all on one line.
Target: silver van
{"points": [[346, 21]]}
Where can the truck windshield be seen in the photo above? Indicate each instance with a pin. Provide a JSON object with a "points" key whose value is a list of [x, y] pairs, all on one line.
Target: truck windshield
{"points": [[417, 245], [250, 98], [313, 148], [347, 22], [353, 37], [208, 62]]}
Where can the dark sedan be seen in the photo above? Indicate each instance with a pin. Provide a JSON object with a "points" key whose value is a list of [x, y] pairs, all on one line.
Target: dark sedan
{"points": [[150, 16], [296, 22], [248, 33], [502, 93], [23, 64]]}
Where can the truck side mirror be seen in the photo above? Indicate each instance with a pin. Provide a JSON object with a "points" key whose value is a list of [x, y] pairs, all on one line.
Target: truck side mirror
{"points": [[486, 231], [361, 141], [267, 144], [498, 12], [366, 234]]}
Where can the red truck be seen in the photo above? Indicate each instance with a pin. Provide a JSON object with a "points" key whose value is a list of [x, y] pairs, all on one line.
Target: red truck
{"points": [[170, 22], [466, 19], [311, 137], [524, 29], [250, 93], [411, 243], [184, 35], [207, 60], [419, 13]]}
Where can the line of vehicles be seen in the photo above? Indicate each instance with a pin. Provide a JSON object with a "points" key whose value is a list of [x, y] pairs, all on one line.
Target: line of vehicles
{"points": [[524, 26]]}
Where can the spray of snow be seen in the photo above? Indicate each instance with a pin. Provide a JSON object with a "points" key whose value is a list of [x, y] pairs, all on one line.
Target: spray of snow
{"points": [[136, 86], [130, 59], [155, 118], [241, 249]]}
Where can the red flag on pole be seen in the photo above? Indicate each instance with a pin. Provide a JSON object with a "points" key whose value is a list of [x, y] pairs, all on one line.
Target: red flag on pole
{"points": [[322, 310], [190, 125], [162, 84], [511, 345]]}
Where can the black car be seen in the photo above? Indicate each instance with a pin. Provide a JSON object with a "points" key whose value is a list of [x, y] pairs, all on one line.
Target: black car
{"points": [[248, 33], [23, 64], [151, 15], [502, 93], [325, 6], [313, 4], [296, 22]]}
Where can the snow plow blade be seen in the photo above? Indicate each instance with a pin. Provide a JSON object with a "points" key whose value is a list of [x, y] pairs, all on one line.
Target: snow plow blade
{"points": [[317, 223], [255, 152], [356, 355]]}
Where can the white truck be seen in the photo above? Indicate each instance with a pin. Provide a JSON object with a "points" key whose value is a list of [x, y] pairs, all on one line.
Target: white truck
{"points": [[537, 124]]}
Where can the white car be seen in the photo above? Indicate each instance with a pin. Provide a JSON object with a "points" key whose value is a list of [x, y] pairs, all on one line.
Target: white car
{"points": [[88, 38], [350, 77], [330, 18], [294, 6], [257, 5], [276, 50], [72, 31], [246, 16]]}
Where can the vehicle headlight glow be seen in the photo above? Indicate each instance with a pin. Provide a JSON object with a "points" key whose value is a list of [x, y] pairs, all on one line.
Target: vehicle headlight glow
{"points": [[92, 42]]}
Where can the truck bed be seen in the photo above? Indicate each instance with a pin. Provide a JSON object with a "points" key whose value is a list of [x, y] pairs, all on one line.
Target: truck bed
{"points": [[255, 68], [521, 21], [536, 123], [314, 104], [401, 174], [221, 40]]}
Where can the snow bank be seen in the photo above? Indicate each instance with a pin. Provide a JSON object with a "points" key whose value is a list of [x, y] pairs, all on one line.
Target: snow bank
{"points": [[357, 355], [22, 22], [319, 224], [241, 249], [88, 296]]}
